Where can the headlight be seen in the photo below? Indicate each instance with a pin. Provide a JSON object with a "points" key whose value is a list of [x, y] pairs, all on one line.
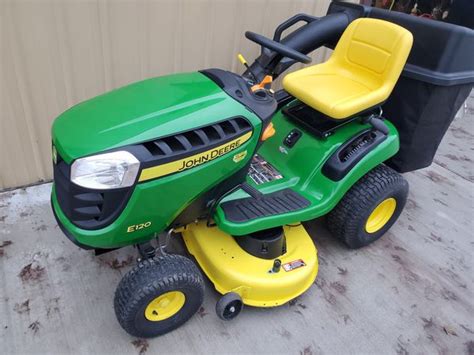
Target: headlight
{"points": [[105, 171]]}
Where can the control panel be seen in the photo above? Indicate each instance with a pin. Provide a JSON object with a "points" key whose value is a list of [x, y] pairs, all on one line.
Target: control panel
{"points": [[292, 137]]}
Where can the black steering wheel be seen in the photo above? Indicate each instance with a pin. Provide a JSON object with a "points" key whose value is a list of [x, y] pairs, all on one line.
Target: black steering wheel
{"points": [[277, 47]]}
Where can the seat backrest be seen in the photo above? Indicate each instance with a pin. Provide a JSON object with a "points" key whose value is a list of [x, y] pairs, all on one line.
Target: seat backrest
{"points": [[375, 49]]}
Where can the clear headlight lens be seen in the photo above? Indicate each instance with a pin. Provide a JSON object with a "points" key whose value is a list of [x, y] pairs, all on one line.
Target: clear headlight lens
{"points": [[105, 171]]}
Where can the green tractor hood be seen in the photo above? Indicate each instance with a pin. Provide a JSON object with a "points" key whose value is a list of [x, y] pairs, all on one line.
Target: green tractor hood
{"points": [[140, 112]]}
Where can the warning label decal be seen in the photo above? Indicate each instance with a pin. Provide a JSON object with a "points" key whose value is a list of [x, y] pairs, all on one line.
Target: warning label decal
{"points": [[292, 265]]}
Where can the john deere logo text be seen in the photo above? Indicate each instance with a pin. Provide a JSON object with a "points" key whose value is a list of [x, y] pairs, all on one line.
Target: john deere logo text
{"points": [[209, 155], [194, 160]]}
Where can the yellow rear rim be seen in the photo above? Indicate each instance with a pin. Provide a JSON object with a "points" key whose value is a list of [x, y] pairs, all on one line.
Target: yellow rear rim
{"points": [[165, 306], [381, 215]]}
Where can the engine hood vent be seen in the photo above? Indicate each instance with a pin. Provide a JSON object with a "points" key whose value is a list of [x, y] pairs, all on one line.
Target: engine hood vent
{"points": [[193, 141]]}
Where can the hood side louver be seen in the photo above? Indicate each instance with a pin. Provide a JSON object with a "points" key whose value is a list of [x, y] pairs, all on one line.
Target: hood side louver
{"points": [[199, 139]]}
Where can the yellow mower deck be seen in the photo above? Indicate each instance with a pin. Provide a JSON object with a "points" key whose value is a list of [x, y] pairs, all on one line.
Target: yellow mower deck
{"points": [[230, 268]]}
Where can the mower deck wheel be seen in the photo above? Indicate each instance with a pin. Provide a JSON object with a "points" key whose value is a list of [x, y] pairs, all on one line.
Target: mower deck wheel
{"points": [[229, 306], [369, 208], [158, 295]]}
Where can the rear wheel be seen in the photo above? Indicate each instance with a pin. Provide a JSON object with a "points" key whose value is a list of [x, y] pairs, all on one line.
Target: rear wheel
{"points": [[369, 208], [158, 295]]}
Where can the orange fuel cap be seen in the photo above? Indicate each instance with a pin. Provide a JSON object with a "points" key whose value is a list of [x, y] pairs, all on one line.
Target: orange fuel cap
{"points": [[267, 81]]}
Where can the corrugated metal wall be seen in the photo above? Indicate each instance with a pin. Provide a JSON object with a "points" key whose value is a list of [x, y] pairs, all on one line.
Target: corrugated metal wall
{"points": [[55, 54]]}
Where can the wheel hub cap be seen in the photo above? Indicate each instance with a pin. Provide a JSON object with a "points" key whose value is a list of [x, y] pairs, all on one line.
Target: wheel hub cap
{"points": [[165, 306], [381, 215]]}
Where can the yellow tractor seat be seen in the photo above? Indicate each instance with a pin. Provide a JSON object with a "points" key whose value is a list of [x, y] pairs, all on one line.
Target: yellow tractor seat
{"points": [[361, 72]]}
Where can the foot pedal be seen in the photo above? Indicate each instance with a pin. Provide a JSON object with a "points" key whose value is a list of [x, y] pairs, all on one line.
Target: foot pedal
{"points": [[252, 191], [272, 204]]}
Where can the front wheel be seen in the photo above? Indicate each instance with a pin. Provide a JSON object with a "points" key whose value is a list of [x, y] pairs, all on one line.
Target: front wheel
{"points": [[369, 208], [158, 295]]}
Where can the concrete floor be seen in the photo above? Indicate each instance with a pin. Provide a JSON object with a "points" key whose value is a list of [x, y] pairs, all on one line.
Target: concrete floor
{"points": [[410, 292]]}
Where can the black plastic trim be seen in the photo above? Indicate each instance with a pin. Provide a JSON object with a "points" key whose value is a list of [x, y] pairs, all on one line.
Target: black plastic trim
{"points": [[283, 98], [292, 138], [317, 122], [87, 208], [66, 232], [290, 22], [239, 89], [314, 121], [341, 162]]}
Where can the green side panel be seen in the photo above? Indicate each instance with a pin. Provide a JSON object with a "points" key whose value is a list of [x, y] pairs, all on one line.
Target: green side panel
{"points": [[301, 170], [140, 112]]}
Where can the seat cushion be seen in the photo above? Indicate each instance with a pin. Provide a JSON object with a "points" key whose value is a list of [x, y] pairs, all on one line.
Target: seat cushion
{"points": [[334, 95], [361, 72]]}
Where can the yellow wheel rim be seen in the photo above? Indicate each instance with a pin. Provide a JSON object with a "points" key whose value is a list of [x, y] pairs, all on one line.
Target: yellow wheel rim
{"points": [[165, 306], [381, 215]]}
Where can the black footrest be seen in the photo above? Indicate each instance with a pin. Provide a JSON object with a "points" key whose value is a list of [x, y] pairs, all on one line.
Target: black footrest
{"points": [[276, 203]]}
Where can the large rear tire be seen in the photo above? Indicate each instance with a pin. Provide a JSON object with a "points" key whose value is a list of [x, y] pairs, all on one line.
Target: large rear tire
{"points": [[158, 295], [369, 208]]}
